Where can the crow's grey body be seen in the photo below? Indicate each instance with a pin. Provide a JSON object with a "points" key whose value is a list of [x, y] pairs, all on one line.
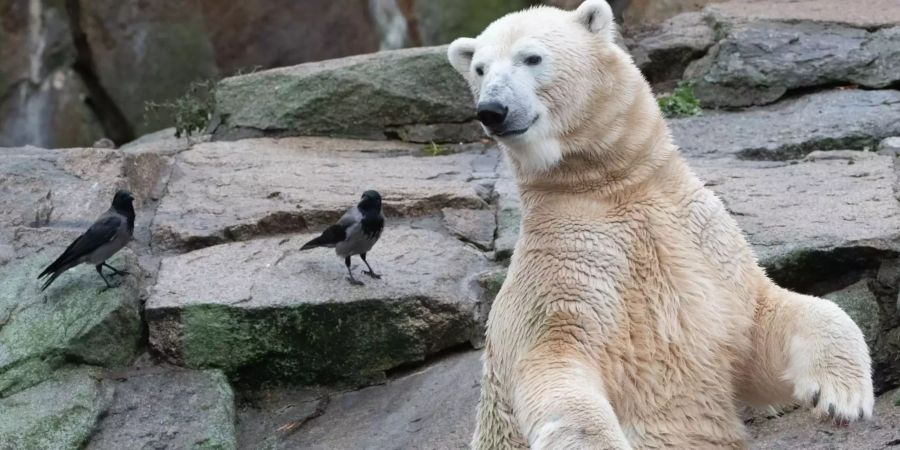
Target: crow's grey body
{"points": [[355, 233], [109, 234], [357, 241]]}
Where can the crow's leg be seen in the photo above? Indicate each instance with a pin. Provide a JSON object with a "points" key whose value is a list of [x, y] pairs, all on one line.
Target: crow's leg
{"points": [[99, 268], [352, 280], [115, 271], [370, 272]]}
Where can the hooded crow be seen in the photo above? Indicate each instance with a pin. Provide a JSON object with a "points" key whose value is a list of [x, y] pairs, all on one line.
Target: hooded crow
{"points": [[355, 233], [111, 231]]}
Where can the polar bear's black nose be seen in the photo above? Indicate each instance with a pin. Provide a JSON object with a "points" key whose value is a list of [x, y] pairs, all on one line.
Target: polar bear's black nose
{"points": [[492, 114]]}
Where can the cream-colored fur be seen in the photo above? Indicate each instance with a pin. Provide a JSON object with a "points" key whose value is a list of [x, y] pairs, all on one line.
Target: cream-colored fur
{"points": [[634, 314]]}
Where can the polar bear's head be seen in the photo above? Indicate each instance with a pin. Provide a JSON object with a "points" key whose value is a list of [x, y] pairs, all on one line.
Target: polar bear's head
{"points": [[538, 75]]}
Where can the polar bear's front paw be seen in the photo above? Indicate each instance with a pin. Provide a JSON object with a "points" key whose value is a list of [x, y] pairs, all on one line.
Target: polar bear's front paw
{"points": [[841, 398]]}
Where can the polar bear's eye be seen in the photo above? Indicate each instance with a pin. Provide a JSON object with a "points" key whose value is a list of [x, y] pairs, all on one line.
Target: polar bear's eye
{"points": [[533, 60], [479, 70]]}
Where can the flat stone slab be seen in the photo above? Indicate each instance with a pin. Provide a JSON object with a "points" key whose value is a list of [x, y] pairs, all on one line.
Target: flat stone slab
{"points": [[475, 226], [169, 408], [841, 119], [809, 206], [59, 413], [832, 201], [225, 191], [75, 319], [432, 407], [863, 14], [261, 309]]}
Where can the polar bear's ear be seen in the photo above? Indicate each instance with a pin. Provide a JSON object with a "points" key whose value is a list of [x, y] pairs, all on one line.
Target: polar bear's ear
{"points": [[460, 54], [597, 17]]}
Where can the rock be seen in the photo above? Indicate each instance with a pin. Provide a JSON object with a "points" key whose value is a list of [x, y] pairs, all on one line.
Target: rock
{"points": [[238, 190], [266, 33], [509, 215], [146, 51], [882, 336], [472, 225], [360, 96], [800, 429], [432, 407], [440, 133], [288, 315], [52, 112], [664, 52], [758, 62], [812, 221], [868, 14], [168, 408], [793, 128], [442, 21], [57, 187], [890, 146], [858, 301], [41, 98], [641, 12], [59, 413], [75, 319]]}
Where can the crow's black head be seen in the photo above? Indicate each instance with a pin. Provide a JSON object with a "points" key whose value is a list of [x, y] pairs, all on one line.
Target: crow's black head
{"points": [[370, 202], [123, 199]]}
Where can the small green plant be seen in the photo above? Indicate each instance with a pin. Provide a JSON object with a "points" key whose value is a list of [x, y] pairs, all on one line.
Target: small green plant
{"points": [[192, 111], [680, 102], [435, 149]]}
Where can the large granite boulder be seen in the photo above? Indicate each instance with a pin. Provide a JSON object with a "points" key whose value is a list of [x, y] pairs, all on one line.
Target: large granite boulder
{"points": [[361, 96], [766, 49], [758, 62]]}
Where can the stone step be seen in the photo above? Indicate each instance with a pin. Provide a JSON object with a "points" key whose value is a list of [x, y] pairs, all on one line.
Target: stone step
{"points": [[839, 119], [230, 191], [263, 310]]}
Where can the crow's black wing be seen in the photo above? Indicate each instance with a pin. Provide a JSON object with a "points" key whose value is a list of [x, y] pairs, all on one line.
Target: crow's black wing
{"points": [[330, 237], [101, 232]]}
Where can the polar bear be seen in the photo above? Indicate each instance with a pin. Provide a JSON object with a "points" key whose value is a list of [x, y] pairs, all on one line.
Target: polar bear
{"points": [[634, 313]]}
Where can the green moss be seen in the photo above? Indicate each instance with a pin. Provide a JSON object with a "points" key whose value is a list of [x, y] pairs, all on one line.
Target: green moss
{"points": [[681, 102], [58, 413], [75, 319], [433, 149], [309, 344]]}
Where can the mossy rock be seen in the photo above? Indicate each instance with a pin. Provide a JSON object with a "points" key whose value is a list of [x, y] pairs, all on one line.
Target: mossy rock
{"points": [[59, 413], [75, 319]]}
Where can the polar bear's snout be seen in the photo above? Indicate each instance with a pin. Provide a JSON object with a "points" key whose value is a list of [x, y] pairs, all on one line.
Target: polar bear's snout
{"points": [[492, 114]]}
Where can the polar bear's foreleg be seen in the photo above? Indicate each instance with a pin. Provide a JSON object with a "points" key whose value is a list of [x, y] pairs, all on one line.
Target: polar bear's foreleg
{"points": [[808, 350], [560, 403]]}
